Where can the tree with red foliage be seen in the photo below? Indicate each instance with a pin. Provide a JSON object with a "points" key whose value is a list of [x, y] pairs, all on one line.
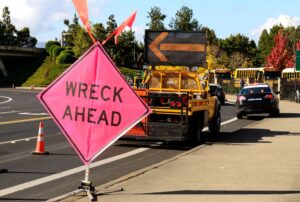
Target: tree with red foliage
{"points": [[279, 56]]}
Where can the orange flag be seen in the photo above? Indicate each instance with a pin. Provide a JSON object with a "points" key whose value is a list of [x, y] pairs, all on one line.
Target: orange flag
{"points": [[127, 23], [82, 10]]}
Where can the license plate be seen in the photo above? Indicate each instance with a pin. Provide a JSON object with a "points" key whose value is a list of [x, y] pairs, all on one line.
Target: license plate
{"points": [[254, 99]]}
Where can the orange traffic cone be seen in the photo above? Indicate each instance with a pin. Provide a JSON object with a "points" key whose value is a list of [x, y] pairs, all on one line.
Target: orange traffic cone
{"points": [[40, 144]]}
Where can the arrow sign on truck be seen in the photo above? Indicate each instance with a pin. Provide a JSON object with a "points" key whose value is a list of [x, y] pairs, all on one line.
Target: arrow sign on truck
{"points": [[175, 48]]}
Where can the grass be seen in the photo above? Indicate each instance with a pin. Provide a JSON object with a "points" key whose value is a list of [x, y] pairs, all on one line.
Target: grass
{"points": [[49, 71], [46, 73]]}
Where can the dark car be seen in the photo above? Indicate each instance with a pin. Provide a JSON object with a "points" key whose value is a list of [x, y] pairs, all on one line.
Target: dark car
{"points": [[217, 90], [258, 98]]}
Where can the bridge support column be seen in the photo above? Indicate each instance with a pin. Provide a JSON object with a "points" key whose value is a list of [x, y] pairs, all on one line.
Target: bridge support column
{"points": [[2, 68]]}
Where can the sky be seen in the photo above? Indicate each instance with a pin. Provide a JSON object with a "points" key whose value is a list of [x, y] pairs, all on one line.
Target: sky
{"points": [[226, 17]]}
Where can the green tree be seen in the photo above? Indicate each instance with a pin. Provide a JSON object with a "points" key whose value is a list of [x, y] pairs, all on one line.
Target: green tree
{"points": [[24, 38], [99, 31], [263, 46], [82, 42], [110, 46], [9, 35], [111, 24], [9, 28], [238, 47], [125, 49], [236, 59], [184, 20], [210, 36], [2, 32], [156, 19], [69, 36]]}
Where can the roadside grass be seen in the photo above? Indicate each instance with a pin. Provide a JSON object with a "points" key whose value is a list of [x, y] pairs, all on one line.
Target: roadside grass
{"points": [[46, 73], [49, 71]]}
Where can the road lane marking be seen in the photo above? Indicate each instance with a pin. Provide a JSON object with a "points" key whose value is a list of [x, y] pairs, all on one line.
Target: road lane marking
{"points": [[6, 101], [66, 173], [223, 123], [33, 114], [18, 140], [24, 120], [9, 112], [229, 121]]}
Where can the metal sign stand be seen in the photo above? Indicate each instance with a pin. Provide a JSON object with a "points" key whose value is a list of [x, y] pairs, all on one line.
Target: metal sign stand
{"points": [[86, 185]]}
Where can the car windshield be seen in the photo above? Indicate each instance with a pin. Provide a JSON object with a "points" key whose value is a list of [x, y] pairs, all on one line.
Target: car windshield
{"points": [[256, 90]]}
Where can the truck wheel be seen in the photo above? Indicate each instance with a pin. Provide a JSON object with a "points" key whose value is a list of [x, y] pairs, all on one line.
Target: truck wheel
{"points": [[215, 125], [196, 135], [239, 115]]}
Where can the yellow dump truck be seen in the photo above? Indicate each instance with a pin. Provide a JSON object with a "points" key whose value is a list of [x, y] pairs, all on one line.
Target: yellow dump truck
{"points": [[181, 105]]}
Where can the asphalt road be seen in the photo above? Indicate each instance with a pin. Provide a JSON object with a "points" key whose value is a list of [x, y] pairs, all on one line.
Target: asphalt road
{"points": [[39, 178]]}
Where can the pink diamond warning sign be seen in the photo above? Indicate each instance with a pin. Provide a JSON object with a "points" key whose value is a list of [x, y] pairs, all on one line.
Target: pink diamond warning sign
{"points": [[93, 104]]}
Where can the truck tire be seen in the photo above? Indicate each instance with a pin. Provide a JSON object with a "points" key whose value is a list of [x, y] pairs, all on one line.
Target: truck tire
{"points": [[215, 125], [239, 115], [196, 127]]}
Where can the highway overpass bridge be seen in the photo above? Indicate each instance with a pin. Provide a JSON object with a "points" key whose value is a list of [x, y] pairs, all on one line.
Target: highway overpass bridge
{"points": [[18, 63]]}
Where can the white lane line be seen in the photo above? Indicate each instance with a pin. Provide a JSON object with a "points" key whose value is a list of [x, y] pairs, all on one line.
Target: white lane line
{"points": [[6, 101], [18, 140], [229, 121], [9, 112], [33, 114], [43, 180], [25, 120], [223, 123]]}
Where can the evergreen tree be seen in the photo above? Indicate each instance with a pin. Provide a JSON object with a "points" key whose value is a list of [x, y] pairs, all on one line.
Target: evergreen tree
{"points": [[184, 20], [9, 28], [24, 38], [111, 24], [156, 19], [210, 36], [239, 47], [263, 46], [110, 46], [69, 36], [82, 42], [125, 49], [2, 28], [99, 31]]}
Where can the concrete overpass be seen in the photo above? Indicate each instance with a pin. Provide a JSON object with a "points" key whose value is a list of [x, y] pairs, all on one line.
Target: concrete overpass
{"points": [[12, 56]]}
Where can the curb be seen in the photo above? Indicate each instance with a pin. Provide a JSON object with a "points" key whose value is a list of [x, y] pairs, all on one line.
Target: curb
{"points": [[71, 197]]}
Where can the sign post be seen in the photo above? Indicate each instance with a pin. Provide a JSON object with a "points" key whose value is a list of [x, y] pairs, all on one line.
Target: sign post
{"points": [[93, 105]]}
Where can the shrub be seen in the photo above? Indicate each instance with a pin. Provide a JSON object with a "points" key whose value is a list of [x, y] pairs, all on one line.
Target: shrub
{"points": [[65, 57], [51, 50], [49, 44], [56, 51]]}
